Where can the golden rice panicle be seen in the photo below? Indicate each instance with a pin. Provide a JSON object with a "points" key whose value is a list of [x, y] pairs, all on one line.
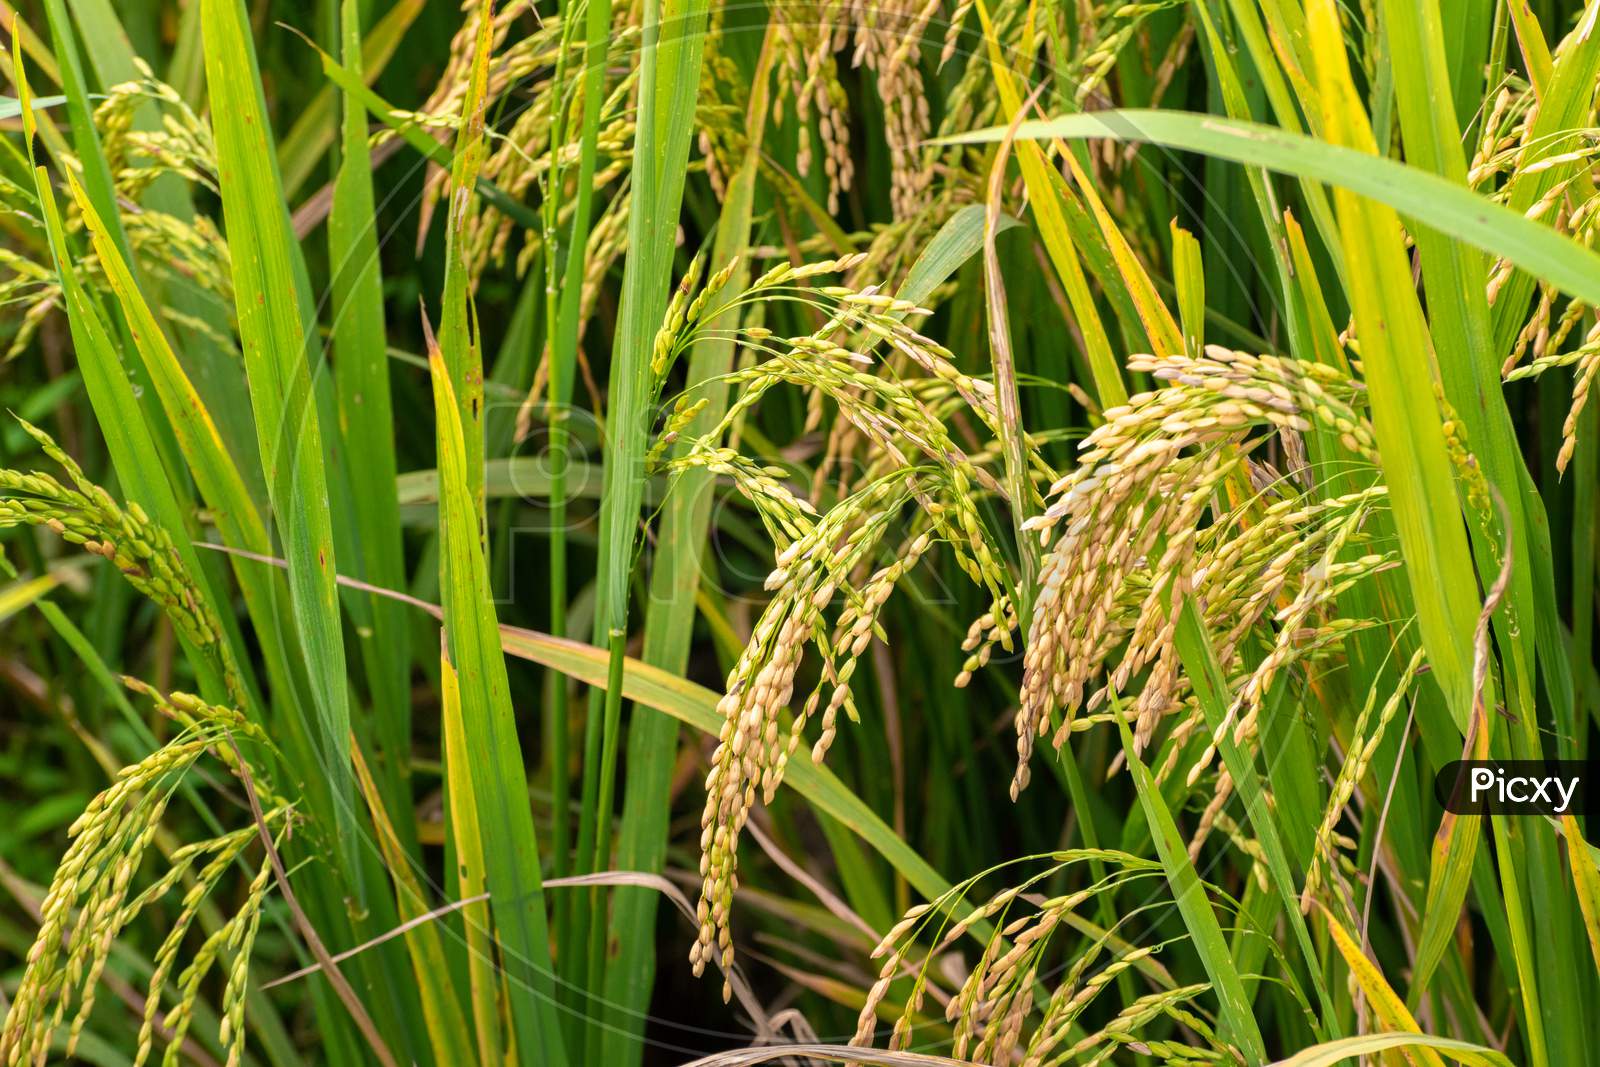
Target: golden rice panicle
{"points": [[1024, 996], [810, 33], [1240, 718], [237, 936], [143, 551], [992, 628], [189, 251], [91, 900], [138, 154], [900, 943], [1474, 486], [1320, 582], [1571, 206], [32, 285], [665, 346], [952, 33], [1363, 746], [1125, 538], [678, 328], [852, 633], [910, 458], [749, 751], [892, 55], [218, 856]]}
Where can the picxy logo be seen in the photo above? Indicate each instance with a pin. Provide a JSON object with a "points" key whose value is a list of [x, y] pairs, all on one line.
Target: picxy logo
{"points": [[1516, 787]]}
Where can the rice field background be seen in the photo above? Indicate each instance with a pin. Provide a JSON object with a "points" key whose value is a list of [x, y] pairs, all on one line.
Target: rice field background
{"points": [[636, 532]]}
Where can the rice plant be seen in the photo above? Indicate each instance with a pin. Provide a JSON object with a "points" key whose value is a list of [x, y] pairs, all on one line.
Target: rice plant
{"points": [[579, 532]]}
